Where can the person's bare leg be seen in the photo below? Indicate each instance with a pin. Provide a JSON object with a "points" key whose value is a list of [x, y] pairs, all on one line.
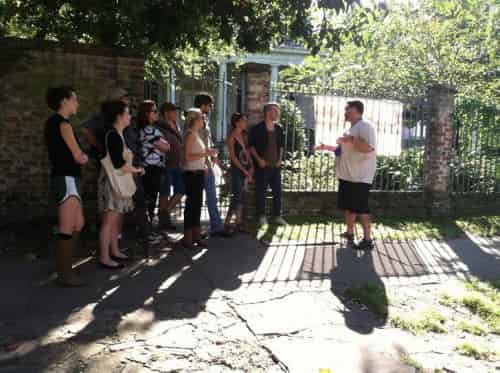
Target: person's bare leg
{"points": [[120, 223], [115, 233], [239, 216], [174, 201], [365, 222], [350, 219], [70, 222], [229, 217], [164, 202], [105, 238]]}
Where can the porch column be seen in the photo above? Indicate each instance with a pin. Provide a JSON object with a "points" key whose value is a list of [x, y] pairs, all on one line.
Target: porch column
{"points": [[274, 79], [221, 101]]}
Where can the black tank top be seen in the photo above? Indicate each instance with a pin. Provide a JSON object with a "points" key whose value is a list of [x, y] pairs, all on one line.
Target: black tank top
{"points": [[60, 157], [242, 155]]}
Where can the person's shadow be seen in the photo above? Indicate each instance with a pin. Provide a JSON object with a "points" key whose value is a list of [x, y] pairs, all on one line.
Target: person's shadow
{"points": [[356, 283]]}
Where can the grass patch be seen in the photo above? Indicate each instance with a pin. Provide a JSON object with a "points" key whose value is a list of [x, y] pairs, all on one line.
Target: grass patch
{"points": [[481, 299], [486, 226], [372, 296], [471, 328], [408, 360], [429, 321], [476, 352], [327, 228], [447, 300], [483, 307]]}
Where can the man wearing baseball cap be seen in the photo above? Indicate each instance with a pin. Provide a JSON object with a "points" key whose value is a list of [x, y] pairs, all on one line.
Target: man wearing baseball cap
{"points": [[173, 172]]}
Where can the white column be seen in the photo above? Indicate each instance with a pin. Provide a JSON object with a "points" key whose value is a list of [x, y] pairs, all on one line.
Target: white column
{"points": [[171, 91], [243, 90], [221, 100], [274, 80]]}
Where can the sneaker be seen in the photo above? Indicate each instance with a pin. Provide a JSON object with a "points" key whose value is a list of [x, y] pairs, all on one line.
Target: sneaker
{"points": [[156, 235], [349, 237], [154, 239], [365, 245], [262, 220], [280, 221]]}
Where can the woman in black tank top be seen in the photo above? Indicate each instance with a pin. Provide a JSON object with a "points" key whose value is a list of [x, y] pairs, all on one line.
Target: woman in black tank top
{"points": [[241, 168], [66, 159]]}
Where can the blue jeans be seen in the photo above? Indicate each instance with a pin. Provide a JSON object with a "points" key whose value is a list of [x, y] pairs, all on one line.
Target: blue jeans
{"points": [[265, 177], [216, 224]]}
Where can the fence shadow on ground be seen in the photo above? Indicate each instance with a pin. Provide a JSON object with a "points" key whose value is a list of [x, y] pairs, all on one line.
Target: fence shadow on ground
{"points": [[177, 284]]}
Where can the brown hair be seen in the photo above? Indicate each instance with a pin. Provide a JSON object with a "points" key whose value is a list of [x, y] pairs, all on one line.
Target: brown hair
{"points": [[55, 96], [145, 108], [358, 105], [236, 117], [168, 106]]}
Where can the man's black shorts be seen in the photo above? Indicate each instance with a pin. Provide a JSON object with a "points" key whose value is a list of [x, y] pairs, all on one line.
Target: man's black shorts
{"points": [[353, 197]]}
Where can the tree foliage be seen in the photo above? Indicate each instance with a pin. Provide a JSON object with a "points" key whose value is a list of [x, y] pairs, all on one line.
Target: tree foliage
{"points": [[401, 51], [170, 25]]}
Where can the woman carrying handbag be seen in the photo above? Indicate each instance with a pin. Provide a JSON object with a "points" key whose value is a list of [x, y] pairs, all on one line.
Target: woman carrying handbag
{"points": [[116, 186]]}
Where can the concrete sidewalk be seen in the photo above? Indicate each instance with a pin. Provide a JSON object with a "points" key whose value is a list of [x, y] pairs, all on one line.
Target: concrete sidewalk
{"points": [[240, 306]]}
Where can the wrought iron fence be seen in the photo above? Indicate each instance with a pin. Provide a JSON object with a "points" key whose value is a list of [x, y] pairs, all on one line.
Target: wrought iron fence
{"points": [[313, 116], [476, 162], [182, 92]]}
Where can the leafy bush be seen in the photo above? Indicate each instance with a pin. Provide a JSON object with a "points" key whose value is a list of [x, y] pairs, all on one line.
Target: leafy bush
{"points": [[475, 165], [314, 172], [317, 171], [403, 172], [291, 118]]}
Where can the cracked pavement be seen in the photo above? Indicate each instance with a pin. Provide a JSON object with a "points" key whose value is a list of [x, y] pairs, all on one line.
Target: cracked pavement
{"points": [[239, 306]]}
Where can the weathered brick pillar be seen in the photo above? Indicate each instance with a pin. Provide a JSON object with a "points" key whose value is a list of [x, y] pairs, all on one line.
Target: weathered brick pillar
{"points": [[438, 147], [258, 80]]}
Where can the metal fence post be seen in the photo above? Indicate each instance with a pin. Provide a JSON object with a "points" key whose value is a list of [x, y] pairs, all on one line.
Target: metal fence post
{"points": [[438, 151]]}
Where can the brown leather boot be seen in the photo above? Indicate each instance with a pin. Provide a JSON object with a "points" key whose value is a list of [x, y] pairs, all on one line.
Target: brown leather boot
{"points": [[64, 260], [187, 240], [166, 221], [197, 238]]}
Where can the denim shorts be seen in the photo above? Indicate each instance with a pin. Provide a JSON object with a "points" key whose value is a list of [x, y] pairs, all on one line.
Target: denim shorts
{"points": [[173, 179]]}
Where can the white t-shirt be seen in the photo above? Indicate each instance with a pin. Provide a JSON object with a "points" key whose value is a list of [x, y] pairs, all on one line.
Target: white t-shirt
{"points": [[354, 166]]}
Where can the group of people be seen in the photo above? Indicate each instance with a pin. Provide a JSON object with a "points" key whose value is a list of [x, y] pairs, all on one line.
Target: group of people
{"points": [[147, 163]]}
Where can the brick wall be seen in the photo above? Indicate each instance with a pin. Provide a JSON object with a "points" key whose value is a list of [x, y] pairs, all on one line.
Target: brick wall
{"points": [[258, 80], [409, 204], [382, 204], [438, 148], [27, 68]]}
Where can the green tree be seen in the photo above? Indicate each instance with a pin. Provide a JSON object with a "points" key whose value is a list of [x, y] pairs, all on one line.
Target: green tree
{"points": [[170, 25], [403, 50], [291, 117]]}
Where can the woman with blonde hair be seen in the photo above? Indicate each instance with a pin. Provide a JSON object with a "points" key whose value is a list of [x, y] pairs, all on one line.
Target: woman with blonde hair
{"points": [[195, 166]]}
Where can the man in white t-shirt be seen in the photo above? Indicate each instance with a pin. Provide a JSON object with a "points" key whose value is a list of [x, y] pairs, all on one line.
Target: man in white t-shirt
{"points": [[355, 168]]}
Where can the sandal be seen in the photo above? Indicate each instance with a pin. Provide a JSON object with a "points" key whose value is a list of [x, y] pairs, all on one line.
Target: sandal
{"points": [[201, 243]]}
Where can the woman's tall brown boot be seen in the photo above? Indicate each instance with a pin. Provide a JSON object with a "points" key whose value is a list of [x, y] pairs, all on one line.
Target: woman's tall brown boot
{"points": [[66, 277]]}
